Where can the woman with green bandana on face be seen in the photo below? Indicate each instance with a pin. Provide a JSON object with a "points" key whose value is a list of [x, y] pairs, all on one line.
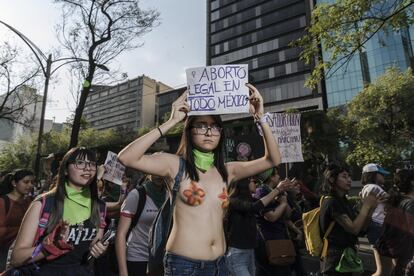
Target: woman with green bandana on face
{"points": [[196, 245], [74, 226]]}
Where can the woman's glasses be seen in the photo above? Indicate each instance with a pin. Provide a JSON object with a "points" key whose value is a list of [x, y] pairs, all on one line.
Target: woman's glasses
{"points": [[82, 164], [202, 129]]}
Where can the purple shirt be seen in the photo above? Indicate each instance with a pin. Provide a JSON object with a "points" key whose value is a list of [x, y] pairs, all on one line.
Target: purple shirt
{"points": [[270, 230]]}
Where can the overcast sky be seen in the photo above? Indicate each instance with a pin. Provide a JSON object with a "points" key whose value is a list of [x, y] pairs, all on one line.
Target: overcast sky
{"points": [[178, 43]]}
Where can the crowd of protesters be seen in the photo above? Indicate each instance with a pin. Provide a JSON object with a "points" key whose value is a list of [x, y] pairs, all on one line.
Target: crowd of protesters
{"points": [[224, 215]]}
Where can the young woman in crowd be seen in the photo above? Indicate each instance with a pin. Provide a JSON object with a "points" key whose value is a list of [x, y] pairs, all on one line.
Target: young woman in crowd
{"points": [[75, 223], [240, 224], [193, 248], [397, 238], [132, 250], [271, 223], [373, 180], [113, 195], [336, 208], [14, 201], [298, 204]]}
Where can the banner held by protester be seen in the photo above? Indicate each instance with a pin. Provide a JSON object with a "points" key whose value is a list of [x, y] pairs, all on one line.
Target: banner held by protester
{"points": [[218, 89], [286, 130], [114, 170]]}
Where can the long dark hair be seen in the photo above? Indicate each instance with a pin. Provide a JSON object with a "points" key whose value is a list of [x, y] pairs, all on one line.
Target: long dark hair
{"points": [[240, 189], [331, 174], [16, 175], [402, 185], [186, 150], [59, 192]]}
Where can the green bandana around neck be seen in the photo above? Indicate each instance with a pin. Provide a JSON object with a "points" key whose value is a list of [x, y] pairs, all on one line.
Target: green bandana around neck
{"points": [[77, 205], [203, 160]]}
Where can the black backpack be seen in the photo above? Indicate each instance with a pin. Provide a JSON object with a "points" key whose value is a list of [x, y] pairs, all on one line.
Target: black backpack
{"points": [[161, 227]]}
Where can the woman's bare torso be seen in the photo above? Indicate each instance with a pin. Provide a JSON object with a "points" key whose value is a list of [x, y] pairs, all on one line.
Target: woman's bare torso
{"points": [[197, 231]]}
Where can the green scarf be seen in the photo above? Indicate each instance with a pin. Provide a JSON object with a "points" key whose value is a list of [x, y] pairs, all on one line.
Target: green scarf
{"points": [[77, 205], [203, 160], [157, 196]]}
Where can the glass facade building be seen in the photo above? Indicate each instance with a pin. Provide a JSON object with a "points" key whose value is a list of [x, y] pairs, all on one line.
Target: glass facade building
{"points": [[259, 33], [382, 51]]}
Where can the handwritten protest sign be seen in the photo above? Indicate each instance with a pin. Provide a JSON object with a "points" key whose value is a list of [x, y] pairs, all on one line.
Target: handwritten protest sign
{"points": [[286, 129], [114, 170], [218, 89]]}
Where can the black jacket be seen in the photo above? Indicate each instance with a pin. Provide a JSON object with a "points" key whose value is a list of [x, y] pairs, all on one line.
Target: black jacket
{"points": [[241, 229]]}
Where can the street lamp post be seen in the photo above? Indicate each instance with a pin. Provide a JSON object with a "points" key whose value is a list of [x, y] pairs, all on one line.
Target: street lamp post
{"points": [[42, 116], [41, 57], [47, 72]]}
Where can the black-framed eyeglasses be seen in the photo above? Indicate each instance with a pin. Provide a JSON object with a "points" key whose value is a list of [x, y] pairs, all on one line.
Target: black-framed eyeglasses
{"points": [[82, 164], [202, 129]]}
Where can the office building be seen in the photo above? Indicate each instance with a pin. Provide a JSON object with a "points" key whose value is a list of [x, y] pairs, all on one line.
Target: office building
{"points": [[382, 51], [27, 106], [164, 101], [129, 105], [259, 33]]}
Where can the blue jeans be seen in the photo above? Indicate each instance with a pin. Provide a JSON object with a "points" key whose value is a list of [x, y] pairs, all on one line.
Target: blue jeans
{"points": [[240, 262], [175, 265]]}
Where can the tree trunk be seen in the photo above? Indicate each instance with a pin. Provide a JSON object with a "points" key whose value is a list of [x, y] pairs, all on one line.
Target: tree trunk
{"points": [[78, 113]]}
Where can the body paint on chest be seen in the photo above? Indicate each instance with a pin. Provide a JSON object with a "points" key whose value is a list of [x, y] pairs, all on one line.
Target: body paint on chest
{"points": [[195, 195], [224, 197]]}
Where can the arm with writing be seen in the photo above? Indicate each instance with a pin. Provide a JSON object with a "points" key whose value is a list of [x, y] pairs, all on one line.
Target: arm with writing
{"points": [[355, 226]]}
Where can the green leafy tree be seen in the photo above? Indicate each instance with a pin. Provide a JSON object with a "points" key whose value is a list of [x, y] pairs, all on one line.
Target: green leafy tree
{"points": [[175, 130], [343, 27], [18, 155], [22, 153], [379, 124]]}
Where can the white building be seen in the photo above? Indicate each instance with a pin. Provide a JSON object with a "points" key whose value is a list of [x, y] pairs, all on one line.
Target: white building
{"points": [[30, 115]]}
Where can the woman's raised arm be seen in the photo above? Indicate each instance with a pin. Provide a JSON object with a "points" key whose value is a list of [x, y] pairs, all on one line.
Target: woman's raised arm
{"points": [[271, 158], [160, 164]]}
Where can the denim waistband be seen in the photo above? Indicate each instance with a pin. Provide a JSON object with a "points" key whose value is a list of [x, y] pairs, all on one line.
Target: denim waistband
{"points": [[196, 263]]}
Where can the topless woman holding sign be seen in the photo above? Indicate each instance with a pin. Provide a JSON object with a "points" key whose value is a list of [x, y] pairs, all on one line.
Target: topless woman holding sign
{"points": [[196, 245]]}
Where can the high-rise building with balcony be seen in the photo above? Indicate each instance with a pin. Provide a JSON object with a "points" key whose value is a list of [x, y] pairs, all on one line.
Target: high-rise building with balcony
{"points": [[259, 33]]}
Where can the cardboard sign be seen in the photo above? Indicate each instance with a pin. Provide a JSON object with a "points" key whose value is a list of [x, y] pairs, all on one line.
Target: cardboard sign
{"points": [[218, 89], [114, 170], [286, 130]]}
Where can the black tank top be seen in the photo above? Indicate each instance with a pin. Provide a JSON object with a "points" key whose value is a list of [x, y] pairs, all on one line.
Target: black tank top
{"points": [[80, 236]]}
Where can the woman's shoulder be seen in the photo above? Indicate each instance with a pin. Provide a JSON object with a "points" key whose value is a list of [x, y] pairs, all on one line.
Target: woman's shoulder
{"points": [[330, 202], [407, 204]]}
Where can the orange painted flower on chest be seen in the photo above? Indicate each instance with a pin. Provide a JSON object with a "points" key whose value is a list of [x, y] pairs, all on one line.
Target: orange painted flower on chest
{"points": [[224, 197], [195, 195]]}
